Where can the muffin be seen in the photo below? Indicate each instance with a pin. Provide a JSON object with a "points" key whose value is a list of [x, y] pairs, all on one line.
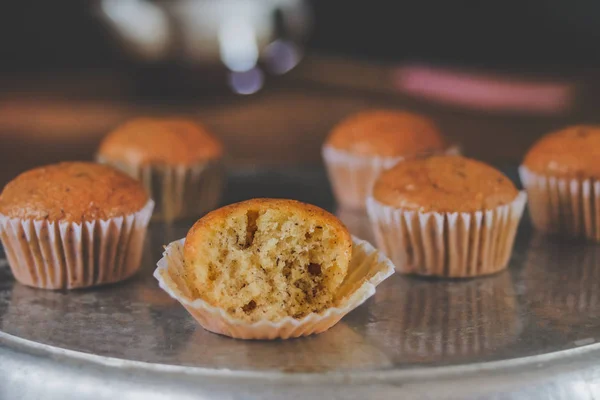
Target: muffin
{"points": [[446, 216], [73, 225], [561, 174], [268, 268], [364, 144], [178, 161]]}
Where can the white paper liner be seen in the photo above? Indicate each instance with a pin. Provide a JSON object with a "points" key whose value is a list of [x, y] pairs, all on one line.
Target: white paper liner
{"points": [[179, 191], [352, 177], [560, 205], [447, 244], [69, 255], [368, 268]]}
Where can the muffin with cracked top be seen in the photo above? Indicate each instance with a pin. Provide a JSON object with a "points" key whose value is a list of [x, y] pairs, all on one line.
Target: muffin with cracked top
{"points": [[446, 216], [73, 225]]}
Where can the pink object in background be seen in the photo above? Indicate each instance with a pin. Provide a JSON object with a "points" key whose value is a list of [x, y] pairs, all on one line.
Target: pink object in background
{"points": [[485, 91]]}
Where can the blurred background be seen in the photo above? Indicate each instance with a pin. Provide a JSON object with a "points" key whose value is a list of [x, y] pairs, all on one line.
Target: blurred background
{"points": [[271, 77]]}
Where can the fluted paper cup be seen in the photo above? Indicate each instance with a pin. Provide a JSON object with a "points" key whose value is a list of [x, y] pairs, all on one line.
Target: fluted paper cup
{"points": [[352, 177], [560, 205], [452, 245], [368, 268], [179, 191], [68, 255]]}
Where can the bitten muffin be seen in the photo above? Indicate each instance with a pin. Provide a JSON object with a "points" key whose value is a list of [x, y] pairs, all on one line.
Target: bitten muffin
{"points": [[178, 161], [364, 144], [73, 225], [268, 268], [447, 216], [266, 259], [561, 174]]}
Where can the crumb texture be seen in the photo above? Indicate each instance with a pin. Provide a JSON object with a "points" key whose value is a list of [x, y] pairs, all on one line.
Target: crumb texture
{"points": [[444, 184], [72, 191], [265, 259], [387, 133]]}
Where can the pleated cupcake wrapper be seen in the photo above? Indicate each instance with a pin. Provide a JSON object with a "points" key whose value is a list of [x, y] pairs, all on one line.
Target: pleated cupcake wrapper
{"points": [[352, 177], [560, 205], [69, 255], [368, 268], [447, 244], [179, 191]]}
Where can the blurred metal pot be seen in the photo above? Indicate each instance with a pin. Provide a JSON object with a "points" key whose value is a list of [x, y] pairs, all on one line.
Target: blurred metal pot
{"points": [[245, 37]]}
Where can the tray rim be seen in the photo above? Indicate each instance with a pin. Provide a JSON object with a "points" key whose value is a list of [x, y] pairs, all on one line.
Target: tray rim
{"points": [[20, 345]]}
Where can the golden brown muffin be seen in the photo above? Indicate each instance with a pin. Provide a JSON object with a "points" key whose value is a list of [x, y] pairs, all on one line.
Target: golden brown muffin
{"points": [[446, 216], [560, 173], [72, 191], [171, 141], [178, 161], [363, 145], [265, 259], [386, 133], [73, 225], [573, 152], [444, 184]]}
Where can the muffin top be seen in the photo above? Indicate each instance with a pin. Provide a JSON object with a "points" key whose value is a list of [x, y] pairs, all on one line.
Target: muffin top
{"points": [[303, 210], [573, 152], [386, 133], [444, 184], [172, 141], [72, 191], [266, 259]]}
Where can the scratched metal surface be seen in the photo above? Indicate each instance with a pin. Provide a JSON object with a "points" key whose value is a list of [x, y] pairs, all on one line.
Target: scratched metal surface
{"points": [[546, 305]]}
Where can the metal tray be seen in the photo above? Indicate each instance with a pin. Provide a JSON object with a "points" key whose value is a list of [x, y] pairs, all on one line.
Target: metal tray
{"points": [[529, 332]]}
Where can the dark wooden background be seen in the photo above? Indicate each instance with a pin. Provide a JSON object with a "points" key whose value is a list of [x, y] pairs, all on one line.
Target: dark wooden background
{"points": [[52, 118], [64, 84]]}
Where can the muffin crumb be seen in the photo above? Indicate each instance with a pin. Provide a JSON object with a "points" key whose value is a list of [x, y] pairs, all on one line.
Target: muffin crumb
{"points": [[278, 270]]}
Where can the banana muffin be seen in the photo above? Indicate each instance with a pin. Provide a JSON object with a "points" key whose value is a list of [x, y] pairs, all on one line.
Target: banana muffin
{"points": [[270, 268], [561, 174], [364, 144], [73, 225], [178, 160], [446, 216], [267, 259]]}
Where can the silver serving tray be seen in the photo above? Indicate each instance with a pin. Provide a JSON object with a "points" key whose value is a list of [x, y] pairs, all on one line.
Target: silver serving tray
{"points": [[527, 333]]}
